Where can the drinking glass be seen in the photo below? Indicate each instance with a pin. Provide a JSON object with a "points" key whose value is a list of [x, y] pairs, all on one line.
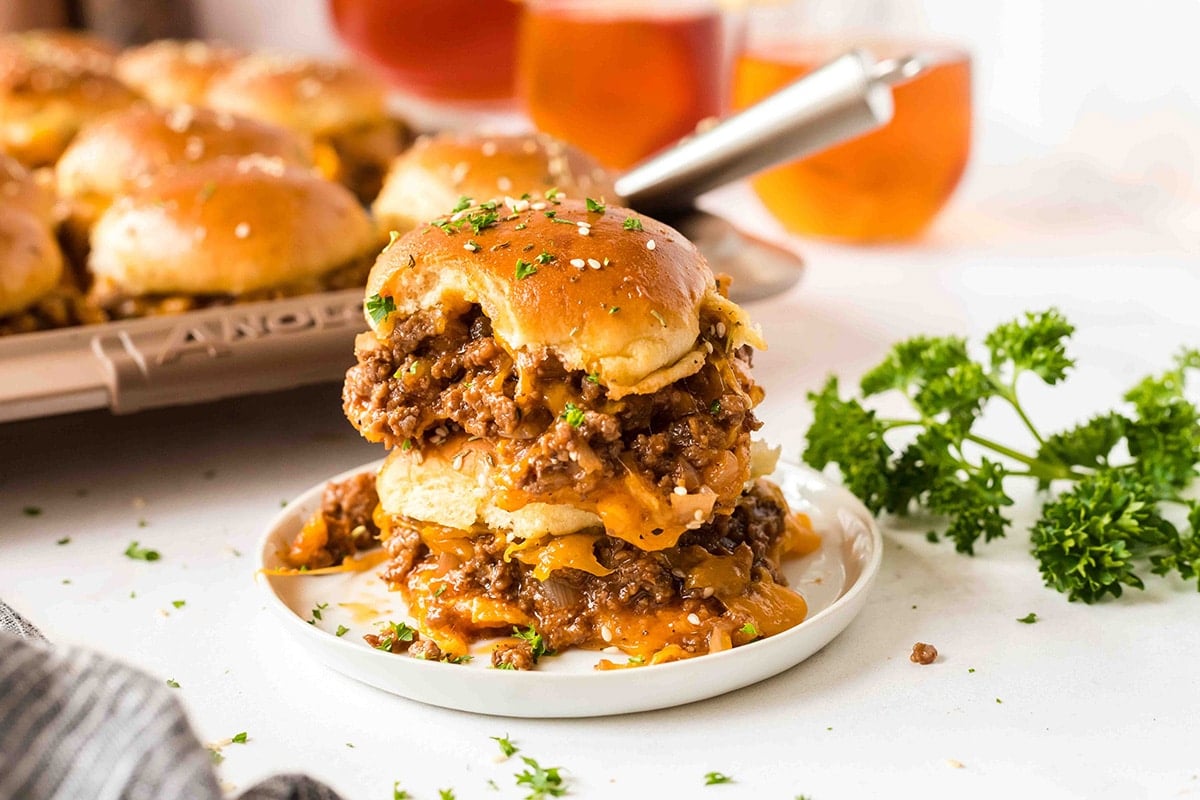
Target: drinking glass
{"points": [[888, 184], [457, 51], [621, 79]]}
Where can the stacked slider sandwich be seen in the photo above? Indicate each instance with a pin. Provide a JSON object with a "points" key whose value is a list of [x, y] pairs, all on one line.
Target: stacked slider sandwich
{"points": [[567, 397]]}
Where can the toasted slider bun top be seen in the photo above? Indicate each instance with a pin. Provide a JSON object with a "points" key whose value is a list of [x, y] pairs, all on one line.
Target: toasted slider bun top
{"points": [[632, 322], [316, 97], [121, 150], [65, 48], [170, 72], [42, 105], [30, 262], [430, 176], [20, 188], [229, 226]]}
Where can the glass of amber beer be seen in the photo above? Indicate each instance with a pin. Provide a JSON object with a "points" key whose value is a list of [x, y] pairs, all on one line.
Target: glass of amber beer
{"points": [[887, 185], [622, 79]]}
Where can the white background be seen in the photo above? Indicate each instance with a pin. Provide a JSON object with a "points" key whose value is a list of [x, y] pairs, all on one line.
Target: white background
{"points": [[1082, 194]]}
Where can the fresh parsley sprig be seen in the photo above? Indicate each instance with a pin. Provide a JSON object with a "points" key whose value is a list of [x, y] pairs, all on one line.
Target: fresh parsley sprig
{"points": [[1116, 473]]}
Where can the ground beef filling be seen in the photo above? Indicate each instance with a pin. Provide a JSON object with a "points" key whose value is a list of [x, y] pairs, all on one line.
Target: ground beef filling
{"points": [[439, 373], [344, 526], [573, 608]]}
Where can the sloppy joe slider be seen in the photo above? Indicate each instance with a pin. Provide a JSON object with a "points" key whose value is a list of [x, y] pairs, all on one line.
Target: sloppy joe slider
{"points": [[567, 395], [125, 149], [43, 105], [228, 230], [430, 176], [20, 188], [339, 105], [171, 72], [31, 267]]}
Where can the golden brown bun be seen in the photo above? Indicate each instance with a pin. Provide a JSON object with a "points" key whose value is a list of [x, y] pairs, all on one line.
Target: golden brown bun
{"points": [[316, 97], [228, 227], [119, 151], [31, 264], [451, 485], [20, 188], [43, 105], [171, 72], [64, 48], [429, 178], [632, 322]]}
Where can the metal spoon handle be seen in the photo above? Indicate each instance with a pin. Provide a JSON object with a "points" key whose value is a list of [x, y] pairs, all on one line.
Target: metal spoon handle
{"points": [[847, 97]]}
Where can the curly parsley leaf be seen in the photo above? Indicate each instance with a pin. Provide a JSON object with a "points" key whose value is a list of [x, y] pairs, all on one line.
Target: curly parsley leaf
{"points": [[378, 308], [1095, 536], [542, 782]]}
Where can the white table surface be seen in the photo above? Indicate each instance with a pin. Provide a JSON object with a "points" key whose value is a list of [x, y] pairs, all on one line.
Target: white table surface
{"points": [[1091, 702]]}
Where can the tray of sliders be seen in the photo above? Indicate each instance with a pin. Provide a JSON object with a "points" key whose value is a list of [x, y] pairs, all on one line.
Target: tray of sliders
{"points": [[182, 221]]}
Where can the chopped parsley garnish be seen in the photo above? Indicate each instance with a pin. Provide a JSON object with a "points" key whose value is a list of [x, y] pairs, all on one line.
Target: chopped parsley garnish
{"points": [[392, 237], [64, 540], [552, 193], [632, 224], [453, 659], [406, 444], [472, 245], [658, 316], [542, 782], [544, 258], [318, 608], [749, 629], [525, 269], [714, 407], [342, 630], [394, 632], [593, 206], [592, 377], [537, 644], [179, 603], [505, 665], [438, 591], [482, 220], [639, 660], [614, 309], [506, 746], [520, 226], [713, 778], [463, 204], [445, 794], [378, 308], [1029, 618], [32, 511], [141, 553], [573, 414], [174, 684], [239, 738], [398, 793]]}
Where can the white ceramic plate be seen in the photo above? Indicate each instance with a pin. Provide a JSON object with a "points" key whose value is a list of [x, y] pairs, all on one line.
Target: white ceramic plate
{"points": [[834, 581]]}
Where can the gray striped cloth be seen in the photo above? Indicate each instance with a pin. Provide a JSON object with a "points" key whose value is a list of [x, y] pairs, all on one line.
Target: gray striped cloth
{"points": [[77, 726]]}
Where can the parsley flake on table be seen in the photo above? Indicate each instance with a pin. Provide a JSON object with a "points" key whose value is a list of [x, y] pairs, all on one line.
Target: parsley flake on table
{"points": [[174, 684], [1107, 521], [542, 782], [714, 778], [445, 794], [179, 603], [32, 511], [239, 738], [398, 793], [506, 746], [141, 553], [64, 540], [1029, 618]]}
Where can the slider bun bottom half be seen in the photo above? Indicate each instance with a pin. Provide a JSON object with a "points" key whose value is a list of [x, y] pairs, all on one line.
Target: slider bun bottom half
{"points": [[451, 485]]}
